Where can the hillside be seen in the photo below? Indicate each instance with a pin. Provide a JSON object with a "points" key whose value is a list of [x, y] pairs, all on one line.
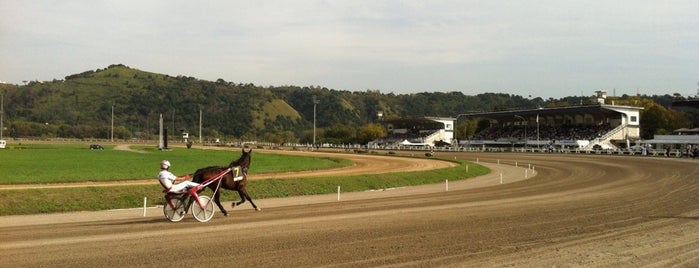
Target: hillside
{"points": [[81, 106]]}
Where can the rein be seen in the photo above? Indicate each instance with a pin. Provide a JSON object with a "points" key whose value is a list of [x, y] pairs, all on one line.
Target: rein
{"points": [[214, 178]]}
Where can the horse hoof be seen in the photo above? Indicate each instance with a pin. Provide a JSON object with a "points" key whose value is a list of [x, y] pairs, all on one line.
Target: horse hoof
{"points": [[258, 209], [233, 205]]}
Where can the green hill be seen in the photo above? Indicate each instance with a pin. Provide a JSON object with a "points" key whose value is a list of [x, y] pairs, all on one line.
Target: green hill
{"points": [[83, 106]]}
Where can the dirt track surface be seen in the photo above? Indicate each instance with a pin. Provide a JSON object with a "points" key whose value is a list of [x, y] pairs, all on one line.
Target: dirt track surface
{"points": [[578, 211]]}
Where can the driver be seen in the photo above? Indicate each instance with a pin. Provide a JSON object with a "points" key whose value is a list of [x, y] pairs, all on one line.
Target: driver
{"points": [[168, 180]]}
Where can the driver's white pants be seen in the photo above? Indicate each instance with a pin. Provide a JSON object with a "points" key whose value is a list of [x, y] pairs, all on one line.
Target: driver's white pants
{"points": [[182, 186]]}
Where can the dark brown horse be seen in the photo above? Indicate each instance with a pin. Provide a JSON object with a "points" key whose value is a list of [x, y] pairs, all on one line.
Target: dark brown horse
{"points": [[235, 180]]}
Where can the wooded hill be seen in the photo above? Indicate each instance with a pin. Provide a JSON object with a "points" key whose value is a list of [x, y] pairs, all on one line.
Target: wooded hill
{"points": [[81, 106]]}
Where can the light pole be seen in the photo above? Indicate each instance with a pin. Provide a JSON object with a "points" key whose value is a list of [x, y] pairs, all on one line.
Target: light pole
{"points": [[173, 124], [315, 102], [2, 112], [525, 129], [537, 132], [112, 136], [456, 121]]}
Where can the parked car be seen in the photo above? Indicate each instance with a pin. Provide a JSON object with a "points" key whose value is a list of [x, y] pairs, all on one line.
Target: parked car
{"points": [[96, 147]]}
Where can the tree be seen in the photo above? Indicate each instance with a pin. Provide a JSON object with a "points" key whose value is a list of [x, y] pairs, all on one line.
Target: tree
{"points": [[655, 118], [281, 137], [339, 134], [370, 132], [466, 129]]}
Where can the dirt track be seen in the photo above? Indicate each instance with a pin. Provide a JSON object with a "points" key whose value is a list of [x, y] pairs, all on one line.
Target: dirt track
{"points": [[578, 211]]}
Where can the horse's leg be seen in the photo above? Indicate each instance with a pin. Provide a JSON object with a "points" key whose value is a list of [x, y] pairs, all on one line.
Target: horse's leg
{"points": [[217, 200], [252, 203], [244, 195], [190, 200], [242, 199]]}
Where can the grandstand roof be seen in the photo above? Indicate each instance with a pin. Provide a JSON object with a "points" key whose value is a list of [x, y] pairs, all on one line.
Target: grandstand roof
{"points": [[591, 109], [409, 122], [694, 103]]}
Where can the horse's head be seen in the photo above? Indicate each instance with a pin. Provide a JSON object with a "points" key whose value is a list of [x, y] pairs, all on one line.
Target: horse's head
{"points": [[243, 161]]}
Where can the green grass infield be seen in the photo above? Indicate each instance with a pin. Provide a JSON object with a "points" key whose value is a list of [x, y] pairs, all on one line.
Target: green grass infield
{"points": [[60, 163], [145, 165]]}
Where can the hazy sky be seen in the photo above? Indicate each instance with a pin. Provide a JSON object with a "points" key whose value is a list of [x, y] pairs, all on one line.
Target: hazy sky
{"points": [[540, 48]]}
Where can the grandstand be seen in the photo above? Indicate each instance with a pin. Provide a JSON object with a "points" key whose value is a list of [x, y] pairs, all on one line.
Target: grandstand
{"points": [[598, 126], [588, 127]]}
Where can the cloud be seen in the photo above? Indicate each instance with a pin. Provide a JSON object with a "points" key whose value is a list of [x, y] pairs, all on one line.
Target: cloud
{"points": [[551, 48]]}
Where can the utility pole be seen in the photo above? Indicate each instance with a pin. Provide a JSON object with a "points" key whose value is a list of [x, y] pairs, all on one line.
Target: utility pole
{"points": [[112, 137], [161, 141], [173, 124], [537, 132], [2, 112], [524, 121], [315, 102]]}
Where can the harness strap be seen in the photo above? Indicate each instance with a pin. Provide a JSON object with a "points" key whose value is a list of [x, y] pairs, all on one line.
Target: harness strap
{"points": [[218, 176], [218, 186]]}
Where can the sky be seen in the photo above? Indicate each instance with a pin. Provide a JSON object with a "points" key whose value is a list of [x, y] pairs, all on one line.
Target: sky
{"points": [[548, 49]]}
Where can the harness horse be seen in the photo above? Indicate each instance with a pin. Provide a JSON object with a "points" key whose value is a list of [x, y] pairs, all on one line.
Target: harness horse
{"points": [[233, 177]]}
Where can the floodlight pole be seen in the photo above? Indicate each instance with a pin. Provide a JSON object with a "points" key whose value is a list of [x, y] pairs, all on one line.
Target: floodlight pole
{"points": [[161, 141], [456, 121], [315, 102], [537, 132], [2, 112], [112, 136], [525, 129]]}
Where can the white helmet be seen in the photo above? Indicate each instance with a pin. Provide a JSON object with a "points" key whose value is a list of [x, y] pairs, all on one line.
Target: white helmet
{"points": [[165, 164]]}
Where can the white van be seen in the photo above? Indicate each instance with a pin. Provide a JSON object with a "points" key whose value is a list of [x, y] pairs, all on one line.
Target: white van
{"points": [[3, 143]]}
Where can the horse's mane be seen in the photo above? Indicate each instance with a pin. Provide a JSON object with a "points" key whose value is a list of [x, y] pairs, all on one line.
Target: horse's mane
{"points": [[208, 169]]}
